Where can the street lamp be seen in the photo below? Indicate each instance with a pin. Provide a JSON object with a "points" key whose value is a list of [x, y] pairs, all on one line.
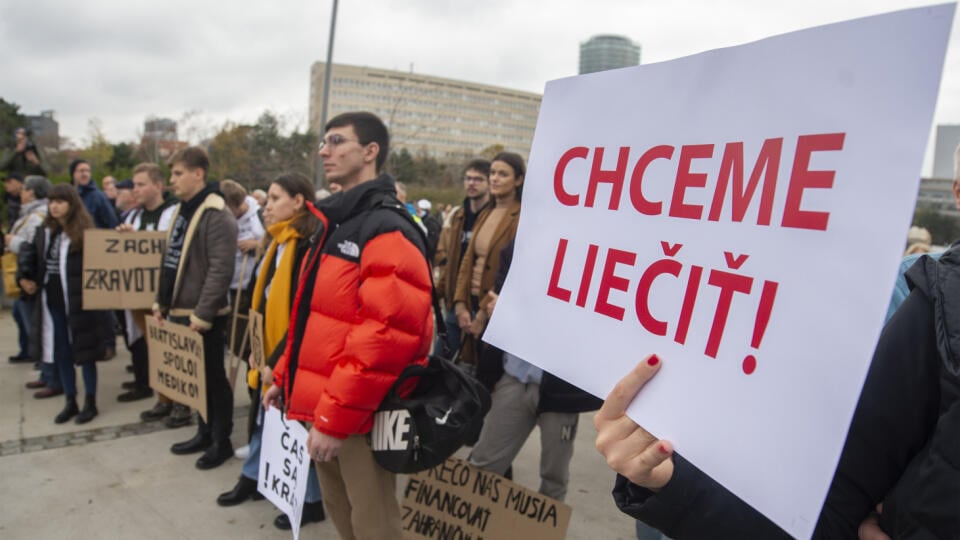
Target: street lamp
{"points": [[326, 90]]}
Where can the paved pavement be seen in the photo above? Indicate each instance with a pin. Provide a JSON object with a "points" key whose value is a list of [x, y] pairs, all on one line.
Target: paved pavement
{"points": [[115, 477]]}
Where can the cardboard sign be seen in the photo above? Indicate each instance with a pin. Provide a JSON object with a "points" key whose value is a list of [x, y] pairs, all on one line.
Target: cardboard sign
{"points": [[741, 213], [255, 327], [284, 465], [175, 354], [456, 500], [121, 270]]}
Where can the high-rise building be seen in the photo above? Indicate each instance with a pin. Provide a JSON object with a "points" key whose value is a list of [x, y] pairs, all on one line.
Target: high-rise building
{"points": [[45, 130], [159, 140], [606, 51], [948, 137], [444, 118]]}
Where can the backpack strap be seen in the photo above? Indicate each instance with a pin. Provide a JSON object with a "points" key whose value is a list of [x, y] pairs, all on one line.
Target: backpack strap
{"points": [[439, 323]]}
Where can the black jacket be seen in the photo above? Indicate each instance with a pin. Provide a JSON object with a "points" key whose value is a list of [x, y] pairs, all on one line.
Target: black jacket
{"points": [[903, 446], [89, 330], [556, 394]]}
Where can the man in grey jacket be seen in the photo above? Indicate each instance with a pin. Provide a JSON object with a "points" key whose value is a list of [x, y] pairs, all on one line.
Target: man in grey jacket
{"points": [[195, 278]]}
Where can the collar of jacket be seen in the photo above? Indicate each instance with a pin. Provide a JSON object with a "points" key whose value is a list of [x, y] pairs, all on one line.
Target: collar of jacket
{"points": [[342, 206], [90, 186]]}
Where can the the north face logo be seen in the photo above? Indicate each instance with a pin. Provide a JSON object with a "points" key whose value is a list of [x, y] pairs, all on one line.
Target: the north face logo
{"points": [[389, 429], [348, 248]]}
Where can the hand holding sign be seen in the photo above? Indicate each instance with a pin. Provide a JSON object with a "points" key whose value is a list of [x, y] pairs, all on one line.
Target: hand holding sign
{"points": [[629, 449]]}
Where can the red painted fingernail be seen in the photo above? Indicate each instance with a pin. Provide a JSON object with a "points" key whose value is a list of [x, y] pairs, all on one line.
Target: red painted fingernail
{"points": [[662, 448], [653, 360]]}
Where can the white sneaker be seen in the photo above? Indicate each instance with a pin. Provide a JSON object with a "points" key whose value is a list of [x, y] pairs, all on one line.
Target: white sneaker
{"points": [[242, 453]]}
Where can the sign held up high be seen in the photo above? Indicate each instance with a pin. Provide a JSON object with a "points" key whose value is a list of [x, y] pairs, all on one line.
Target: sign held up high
{"points": [[719, 210]]}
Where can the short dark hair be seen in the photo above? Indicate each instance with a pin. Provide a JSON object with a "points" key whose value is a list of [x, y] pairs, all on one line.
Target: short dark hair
{"points": [[479, 165], [192, 157], [515, 161], [13, 176], [369, 128]]}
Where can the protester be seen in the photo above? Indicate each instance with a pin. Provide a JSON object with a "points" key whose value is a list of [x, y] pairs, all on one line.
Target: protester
{"points": [[194, 282], [34, 196], [125, 200], [64, 332], [109, 186], [432, 223], [12, 184], [24, 159], [249, 237], [401, 190], [261, 197], [361, 316], [902, 449], [152, 211], [524, 396], [96, 203], [290, 224], [104, 217], [155, 211], [494, 228], [454, 239]]}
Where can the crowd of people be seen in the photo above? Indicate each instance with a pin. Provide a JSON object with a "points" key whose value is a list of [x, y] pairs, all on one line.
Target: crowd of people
{"points": [[344, 286], [345, 283]]}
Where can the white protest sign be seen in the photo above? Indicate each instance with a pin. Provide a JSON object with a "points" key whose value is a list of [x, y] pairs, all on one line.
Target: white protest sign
{"points": [[741, 213], [284, 465]]}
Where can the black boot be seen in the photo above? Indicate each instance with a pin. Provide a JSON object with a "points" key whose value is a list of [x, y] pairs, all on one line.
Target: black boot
{"points": [[215, 455], [69, 411], [312, 513], [198, 443], [89, 410], [245, 489]]}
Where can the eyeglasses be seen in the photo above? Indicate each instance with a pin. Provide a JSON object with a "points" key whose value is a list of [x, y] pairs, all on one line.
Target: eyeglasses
{"points": [[333, 141], [475, 179]]}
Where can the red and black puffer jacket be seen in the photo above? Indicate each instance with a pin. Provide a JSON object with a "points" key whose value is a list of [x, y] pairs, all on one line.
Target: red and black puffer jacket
{"points": [[362, 311]]}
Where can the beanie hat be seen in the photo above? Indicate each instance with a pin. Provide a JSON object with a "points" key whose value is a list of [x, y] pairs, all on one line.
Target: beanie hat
{"points": [[74, 164]]}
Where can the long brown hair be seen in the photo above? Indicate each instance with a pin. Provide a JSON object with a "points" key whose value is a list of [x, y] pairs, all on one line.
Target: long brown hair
{"points": [[295, 184], [77, 219]]}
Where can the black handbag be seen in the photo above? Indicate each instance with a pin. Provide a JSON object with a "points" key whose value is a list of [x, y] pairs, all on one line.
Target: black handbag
{"points": [[443, 412]]}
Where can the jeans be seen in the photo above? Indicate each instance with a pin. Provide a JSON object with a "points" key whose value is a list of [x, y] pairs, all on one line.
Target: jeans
{"points": [[251, 465], [646, 532], [22, 312], [453, 336], [63, 358]]}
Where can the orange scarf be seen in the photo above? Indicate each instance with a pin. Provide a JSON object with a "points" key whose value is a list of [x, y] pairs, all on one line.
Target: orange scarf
{"points": [[276, 318]]}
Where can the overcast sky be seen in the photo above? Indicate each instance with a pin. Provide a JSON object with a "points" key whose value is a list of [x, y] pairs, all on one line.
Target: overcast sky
{"points": [[120, 61]]}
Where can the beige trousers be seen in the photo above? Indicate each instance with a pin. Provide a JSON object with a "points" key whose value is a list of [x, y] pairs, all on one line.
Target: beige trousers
{"points": [[360, 496]]}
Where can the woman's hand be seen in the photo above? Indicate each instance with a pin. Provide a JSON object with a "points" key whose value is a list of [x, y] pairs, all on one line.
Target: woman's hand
{"points": [[464, 320], [629, 449], [477, 326], [491, 302]]}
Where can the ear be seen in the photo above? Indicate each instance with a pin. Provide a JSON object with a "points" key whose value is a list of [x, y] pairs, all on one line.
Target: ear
{"points": [[299, 202], [370, 152]]}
